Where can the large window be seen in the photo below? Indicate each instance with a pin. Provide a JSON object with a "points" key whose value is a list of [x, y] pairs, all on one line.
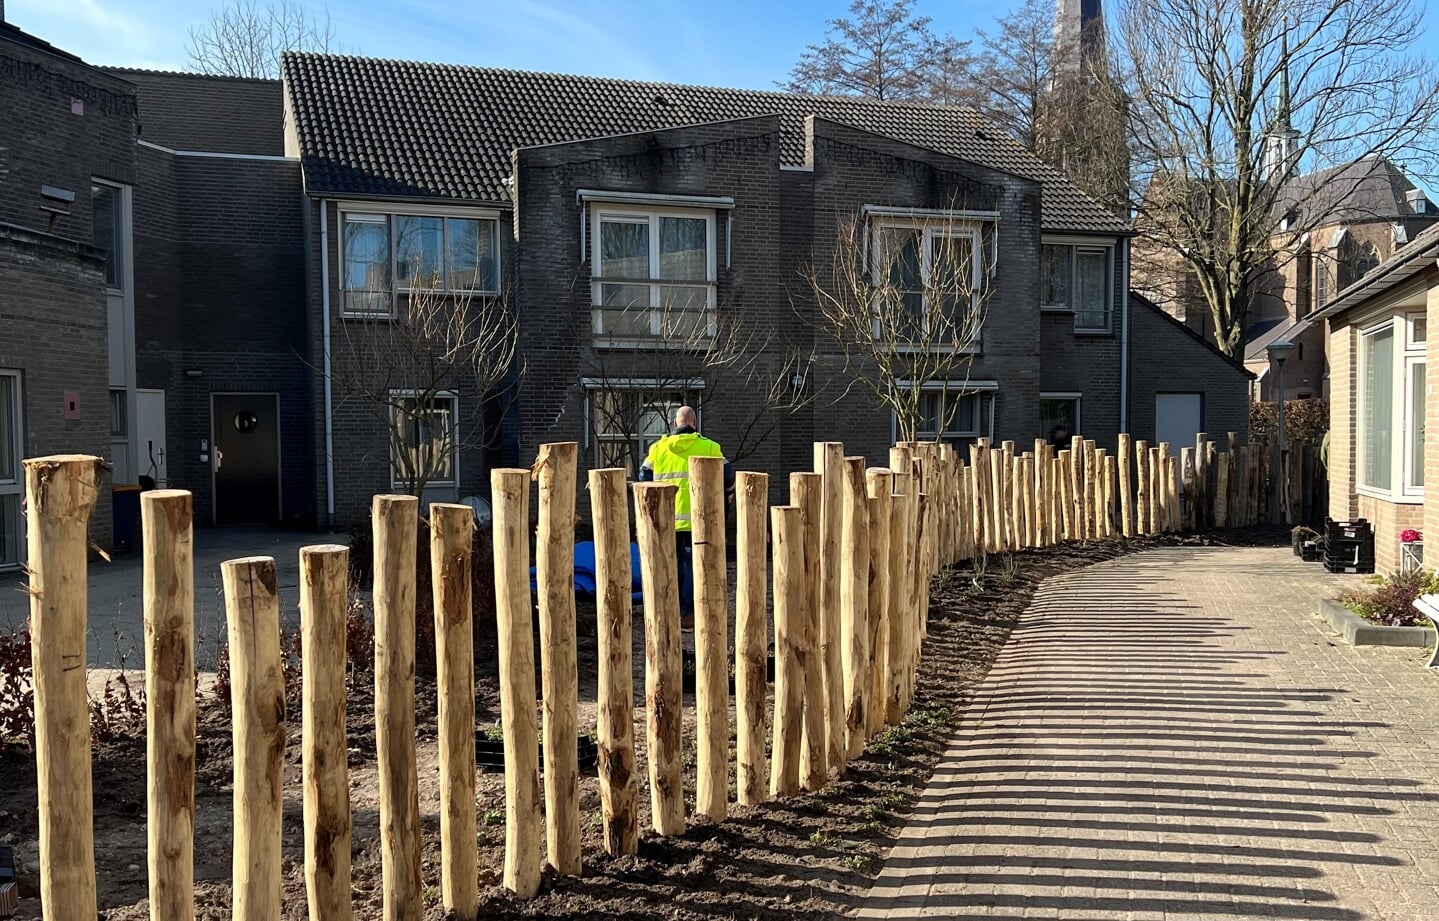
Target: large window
{"points": [[1078, 278], [654, 274], [424, 442], [108, 231], [627, 419], [928, 281], [11, 451], [953, 412], [1391, 403], [382, 253]]}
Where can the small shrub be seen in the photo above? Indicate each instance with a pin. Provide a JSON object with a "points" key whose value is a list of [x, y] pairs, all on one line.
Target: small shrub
{"points": [[17, 688], [1390, 603], [118, 712]]}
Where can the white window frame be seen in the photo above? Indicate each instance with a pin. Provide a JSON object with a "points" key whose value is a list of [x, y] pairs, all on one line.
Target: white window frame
{"points": [[396, 481], [1407, 354], [1074, 395], [1075, 245], [15, 486], [943, 225], [126, 230], [981, 389], [371, 212], [695, 387], [637, 214]]}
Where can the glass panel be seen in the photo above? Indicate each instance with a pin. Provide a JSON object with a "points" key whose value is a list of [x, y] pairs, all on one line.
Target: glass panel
{"points": [[9, 467], [1415, 434], [1055, 280], [1377, 409], [1420, 329], [1091, 310], [930, 405], [624, 249], [108, 231], [903, 282], [685, 325], [952, 280], [366, 268], [1059, 420], [9, 529], [474, 260], [684, 248], [427, 433], [117, 414], [419, 251], [683, 299], [627, 310]]}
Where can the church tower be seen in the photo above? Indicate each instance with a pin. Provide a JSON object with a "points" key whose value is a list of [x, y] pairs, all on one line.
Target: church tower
{"points": [[1078, 36]]}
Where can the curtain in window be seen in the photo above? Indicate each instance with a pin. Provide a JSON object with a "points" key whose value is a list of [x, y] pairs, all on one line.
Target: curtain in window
{"points": [[427, 433], [473, 254], [952, 278], [904, 278], [1091, 310], [1055, 279], [1376, 410], [624, 249], [684, 249], [419, 251], [366, 257]]}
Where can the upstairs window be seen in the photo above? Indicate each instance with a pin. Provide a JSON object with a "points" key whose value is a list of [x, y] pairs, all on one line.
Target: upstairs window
{"points": [[108, 231], [927, 281], [653, 275], [384, 253], [1078, 278]]}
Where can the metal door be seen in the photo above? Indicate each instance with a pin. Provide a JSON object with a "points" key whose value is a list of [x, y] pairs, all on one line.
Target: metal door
{"points": [[246, 458], [150, 435], [1178, 417]]}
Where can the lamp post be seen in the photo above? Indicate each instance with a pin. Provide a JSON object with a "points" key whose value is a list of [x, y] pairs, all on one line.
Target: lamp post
{"points": [[1279, 350]]}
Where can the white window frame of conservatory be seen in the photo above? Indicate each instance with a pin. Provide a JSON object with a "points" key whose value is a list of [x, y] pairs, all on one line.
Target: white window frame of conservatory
{"points": [[959, 224], [631, 213]]}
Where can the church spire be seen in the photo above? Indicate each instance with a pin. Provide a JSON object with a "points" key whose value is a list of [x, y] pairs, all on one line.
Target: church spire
{"points": [[1281, 144]]}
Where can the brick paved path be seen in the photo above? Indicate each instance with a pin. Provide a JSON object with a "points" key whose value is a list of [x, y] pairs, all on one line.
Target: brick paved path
{"points": [[1177, 735]]}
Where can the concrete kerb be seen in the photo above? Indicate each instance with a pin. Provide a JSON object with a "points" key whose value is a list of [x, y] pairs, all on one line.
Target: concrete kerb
{"points": [[1357, 631]]}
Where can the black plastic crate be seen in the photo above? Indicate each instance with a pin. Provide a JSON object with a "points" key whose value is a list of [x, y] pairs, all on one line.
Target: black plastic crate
{"points": [[1312, 551], [1344, 566], [1359, 529]]}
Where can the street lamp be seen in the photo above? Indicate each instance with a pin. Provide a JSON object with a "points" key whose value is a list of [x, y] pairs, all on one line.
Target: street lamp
{"points": [[1279, 350]]}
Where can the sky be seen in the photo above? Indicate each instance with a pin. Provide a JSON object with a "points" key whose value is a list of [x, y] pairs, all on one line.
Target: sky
{"points": [[737, 43]]}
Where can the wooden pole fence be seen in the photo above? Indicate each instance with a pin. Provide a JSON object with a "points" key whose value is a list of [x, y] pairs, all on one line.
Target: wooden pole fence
{"points": [[789, 633], [711, 585], [751, 632], [655, 529]]}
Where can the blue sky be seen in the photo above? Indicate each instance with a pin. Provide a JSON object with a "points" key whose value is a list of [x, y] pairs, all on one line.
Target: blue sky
{"points": [[742, 43]]}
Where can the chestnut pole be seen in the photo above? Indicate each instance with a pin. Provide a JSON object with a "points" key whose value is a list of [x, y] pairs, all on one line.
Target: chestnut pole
{"points": [[655, 529], [396, 519], [614, 725], [897, 619], [1126, 492], [1142, 499], [854, 607], [829, 463], [510, 497], [879, 487], [787, 523], [806, 494], [1221, 491], [257, 705], [452, 539], [324, 577], [751, 635], [711, 583], [1065, 491], [169, 598], [60, 494], [556, 469]]}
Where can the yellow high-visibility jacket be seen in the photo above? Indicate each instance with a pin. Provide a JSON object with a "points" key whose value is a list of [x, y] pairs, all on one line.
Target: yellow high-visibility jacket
{"points": [[669, 458]]}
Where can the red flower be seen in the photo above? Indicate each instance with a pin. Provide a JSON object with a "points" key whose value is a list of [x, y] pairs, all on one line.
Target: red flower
{"points": [[1409, 536]]}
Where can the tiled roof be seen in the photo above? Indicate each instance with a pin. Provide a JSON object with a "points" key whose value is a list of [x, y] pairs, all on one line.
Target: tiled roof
{"points": [[399, 128], [1371, 189]]}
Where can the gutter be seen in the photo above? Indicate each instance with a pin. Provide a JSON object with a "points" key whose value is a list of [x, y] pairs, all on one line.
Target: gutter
{"points": [[1124, 345], [329, 405]]}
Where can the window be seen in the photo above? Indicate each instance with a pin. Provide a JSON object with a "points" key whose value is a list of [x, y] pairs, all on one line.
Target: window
{"points": [[424, 439], [1366, 260], [108, 231], [11, 450], [1391, 402], [957, 413], [625, 421], [118, 428], [1059, 417], [1078, 278], [1323, 280], [449, 254], [654, 274], [927, 281]]}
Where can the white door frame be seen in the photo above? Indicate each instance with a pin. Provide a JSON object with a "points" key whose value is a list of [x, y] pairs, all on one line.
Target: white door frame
{"points": [[16, 486], [279, 451]]}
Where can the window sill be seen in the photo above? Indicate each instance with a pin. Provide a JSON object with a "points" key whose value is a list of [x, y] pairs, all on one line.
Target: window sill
{"points": [[1082, 331], [1392, 498], [939, 349], [682, 345], [1055, 308]]}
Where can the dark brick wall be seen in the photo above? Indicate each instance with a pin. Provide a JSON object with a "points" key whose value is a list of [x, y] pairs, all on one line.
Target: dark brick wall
{"points": [[53, 313], [1166, 357], [202, 112]]}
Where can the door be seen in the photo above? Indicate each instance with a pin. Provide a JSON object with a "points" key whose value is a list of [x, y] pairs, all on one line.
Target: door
{"points": [[12, 533], [246, 460], [150, 435], [1178, 417]]}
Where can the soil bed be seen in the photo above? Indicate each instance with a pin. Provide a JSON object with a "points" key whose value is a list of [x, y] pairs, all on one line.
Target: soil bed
{"points": [[809, 856]]}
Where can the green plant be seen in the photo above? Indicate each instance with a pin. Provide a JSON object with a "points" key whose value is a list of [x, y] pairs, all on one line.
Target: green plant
{"points": [[1391, 602], [820, 839], [495, 733], [493, 817], [859, 863], [17, 688]]}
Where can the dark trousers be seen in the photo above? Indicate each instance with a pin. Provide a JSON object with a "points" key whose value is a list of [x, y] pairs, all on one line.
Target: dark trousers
{"points": [[685, 558]]}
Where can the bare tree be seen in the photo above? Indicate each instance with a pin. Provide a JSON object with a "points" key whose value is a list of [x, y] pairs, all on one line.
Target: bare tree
{"points": [[245, 38], [883, 50], [906, 304], [1213, 86], [1015, 70], [407, 372]]}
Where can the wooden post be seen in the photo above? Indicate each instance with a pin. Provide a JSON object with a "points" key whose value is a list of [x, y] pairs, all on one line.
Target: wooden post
{"points": [[1040, 470], [829, 463], [1017, 500], [789, 629], [1142, 498], [556, 470], [1221, 492], [655, 529], [897, 634], [1126, 492], [879, 487], [452, 541], [978, 481], [1170, 514], [257, 705], [60, 494], [510, 496], [1111, 477], [324, 579], [999, 531], [854, 607], [806, 494], [1066, 487], [919, 600], [169, 599], [711, 578], [1092, 487], [1201, 511], [1172, 493], [1188, 475], [1156, 491], [614, 724], [751, 635]]}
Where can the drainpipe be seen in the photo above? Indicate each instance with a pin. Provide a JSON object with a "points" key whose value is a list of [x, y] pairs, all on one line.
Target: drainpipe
{"points": [[329, 406], [1124, 340]]}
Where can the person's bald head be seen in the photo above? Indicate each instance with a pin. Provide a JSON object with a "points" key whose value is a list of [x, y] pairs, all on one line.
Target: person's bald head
{"points": [[685, 415]]}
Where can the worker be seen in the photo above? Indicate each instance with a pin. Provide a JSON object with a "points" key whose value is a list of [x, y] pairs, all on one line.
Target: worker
{"points": [[669, 461]]}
